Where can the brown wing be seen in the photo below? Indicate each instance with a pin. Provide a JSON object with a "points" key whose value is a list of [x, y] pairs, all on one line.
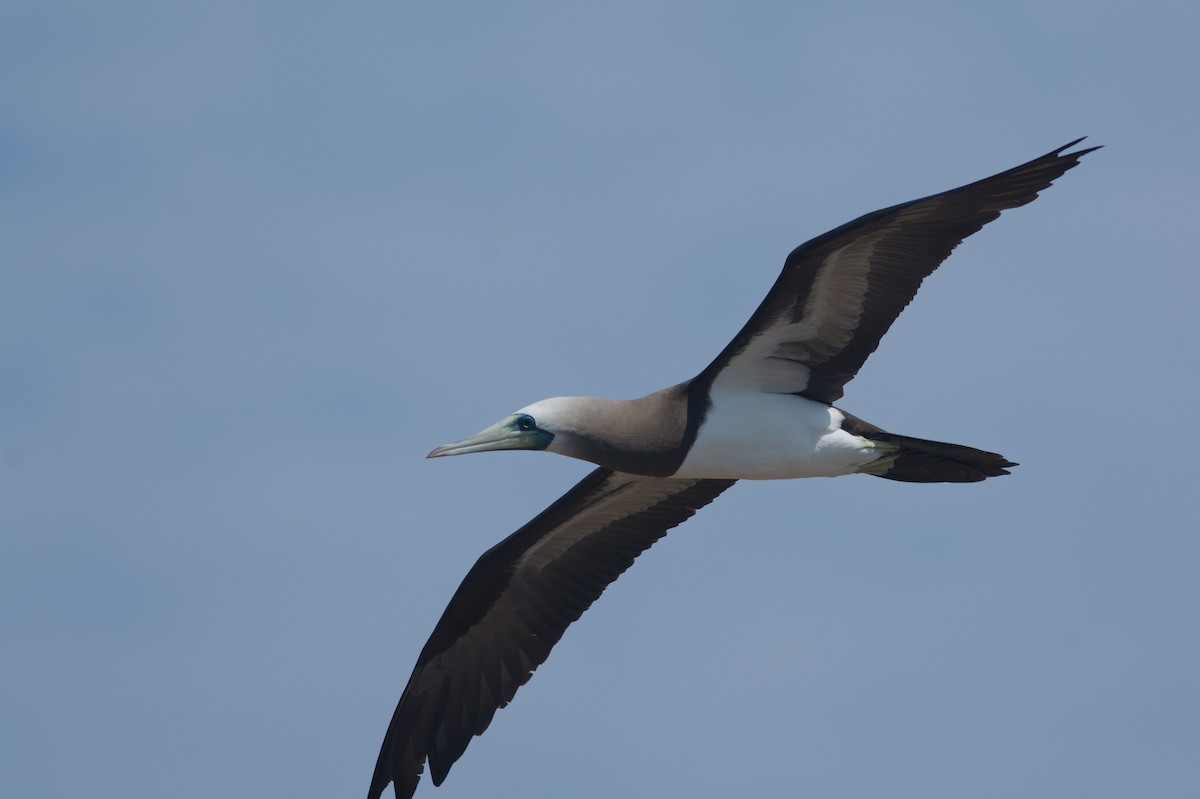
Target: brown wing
{"points": [[515, 604], [839, 293]]}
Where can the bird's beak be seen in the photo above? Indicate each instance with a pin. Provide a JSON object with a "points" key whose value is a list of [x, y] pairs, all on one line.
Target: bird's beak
{"points": [[505, 434]]}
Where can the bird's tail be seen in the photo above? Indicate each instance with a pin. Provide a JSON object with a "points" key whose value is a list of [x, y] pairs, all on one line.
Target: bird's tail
{"points": [[916, 460]]}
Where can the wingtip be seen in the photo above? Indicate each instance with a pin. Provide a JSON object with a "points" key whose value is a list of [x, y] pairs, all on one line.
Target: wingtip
{"points": [[380, 784], [391, 769], [1062, 151]]}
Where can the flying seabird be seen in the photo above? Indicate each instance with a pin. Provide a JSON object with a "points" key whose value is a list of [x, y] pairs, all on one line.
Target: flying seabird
{"points": [[763, 410]]}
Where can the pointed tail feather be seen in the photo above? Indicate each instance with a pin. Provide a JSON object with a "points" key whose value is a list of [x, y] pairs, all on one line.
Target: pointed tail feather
{"points": [[917, 460]]}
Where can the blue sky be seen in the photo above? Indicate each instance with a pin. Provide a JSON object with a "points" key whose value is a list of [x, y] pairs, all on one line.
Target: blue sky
{"points": [[257, 259]]}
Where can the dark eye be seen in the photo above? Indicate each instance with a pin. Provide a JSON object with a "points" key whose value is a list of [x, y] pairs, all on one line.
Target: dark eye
{"points": [[525, 422]]}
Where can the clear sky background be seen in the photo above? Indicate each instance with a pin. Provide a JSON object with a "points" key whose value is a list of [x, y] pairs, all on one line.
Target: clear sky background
{"points": [[257, 259]]}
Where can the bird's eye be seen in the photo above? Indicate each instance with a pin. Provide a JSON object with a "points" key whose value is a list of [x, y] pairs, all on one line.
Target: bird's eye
{"points": [[525, 422]]}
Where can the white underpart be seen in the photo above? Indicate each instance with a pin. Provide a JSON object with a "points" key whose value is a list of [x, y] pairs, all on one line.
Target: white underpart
{"points": [[755, 436]]}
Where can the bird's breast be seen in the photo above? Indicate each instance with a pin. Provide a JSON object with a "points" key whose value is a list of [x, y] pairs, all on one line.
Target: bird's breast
{"points": [[761, 436]]}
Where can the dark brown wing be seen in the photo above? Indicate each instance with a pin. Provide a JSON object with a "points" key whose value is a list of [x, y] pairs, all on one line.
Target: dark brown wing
{"points": [[839, 293], [515, 604]]}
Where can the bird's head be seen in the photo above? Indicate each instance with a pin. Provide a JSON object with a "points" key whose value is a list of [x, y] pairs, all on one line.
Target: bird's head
{"points": [[535, 426]]}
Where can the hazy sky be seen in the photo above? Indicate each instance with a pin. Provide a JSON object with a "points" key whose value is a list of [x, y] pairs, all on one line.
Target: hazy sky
{"points": [[257, 259]]}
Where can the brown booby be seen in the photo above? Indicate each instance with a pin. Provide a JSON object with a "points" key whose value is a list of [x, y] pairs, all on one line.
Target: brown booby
{"points": [[762, 410]]}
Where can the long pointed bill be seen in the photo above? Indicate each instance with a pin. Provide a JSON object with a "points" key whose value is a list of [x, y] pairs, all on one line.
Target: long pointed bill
{"points": [[503, 435]]}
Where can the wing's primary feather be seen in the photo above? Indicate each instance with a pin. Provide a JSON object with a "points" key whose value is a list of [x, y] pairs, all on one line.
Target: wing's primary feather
{"points": [[515, 604]]}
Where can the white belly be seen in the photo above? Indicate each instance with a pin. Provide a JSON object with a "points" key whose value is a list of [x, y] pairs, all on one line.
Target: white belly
{"points": [[757, 436]]}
